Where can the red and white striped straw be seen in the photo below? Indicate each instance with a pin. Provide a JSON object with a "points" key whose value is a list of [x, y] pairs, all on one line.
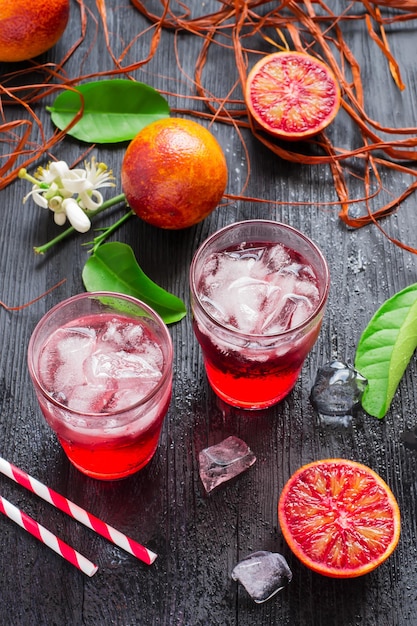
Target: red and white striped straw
{"points": [[76, 512], [46, 537]]}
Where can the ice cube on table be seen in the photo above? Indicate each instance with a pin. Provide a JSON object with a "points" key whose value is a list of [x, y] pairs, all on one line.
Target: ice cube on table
{"points": [[337, 391], [224, 461], [262, 574]]}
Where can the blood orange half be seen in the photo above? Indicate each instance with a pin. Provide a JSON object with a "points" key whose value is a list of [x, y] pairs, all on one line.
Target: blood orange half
{"points": [[292, 95], [339, 518]]}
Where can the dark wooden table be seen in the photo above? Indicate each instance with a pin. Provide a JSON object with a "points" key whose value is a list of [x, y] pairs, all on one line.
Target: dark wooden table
{"points": [[199, 539]]}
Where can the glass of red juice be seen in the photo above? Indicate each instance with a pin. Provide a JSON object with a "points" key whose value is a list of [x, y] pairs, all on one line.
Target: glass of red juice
{"points": [[101, 366], [258, 294]]}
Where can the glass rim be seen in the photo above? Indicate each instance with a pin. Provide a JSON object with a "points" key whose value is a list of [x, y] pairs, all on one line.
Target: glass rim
{"points": [[232, 329], [167, 373]]}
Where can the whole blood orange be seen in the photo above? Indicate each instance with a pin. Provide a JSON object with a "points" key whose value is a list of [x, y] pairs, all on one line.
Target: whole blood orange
{"points": [[29, 28], [174, 173], [339, 517], [292, 95]]}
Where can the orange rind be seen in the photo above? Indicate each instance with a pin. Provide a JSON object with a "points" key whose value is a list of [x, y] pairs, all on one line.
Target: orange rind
{"points": [[174, 173], [30, 28]]}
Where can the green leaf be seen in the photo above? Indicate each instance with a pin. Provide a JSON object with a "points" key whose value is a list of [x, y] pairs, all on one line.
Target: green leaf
{"points": [[113, 267], [385, 349], [114, 110]]}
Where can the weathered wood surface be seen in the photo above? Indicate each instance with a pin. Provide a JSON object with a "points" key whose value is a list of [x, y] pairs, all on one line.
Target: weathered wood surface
{"points": [[200, 539]]}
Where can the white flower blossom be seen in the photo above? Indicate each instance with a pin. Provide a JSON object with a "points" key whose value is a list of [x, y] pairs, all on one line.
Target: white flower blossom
{"points": [[76, 216], [69, 193]]}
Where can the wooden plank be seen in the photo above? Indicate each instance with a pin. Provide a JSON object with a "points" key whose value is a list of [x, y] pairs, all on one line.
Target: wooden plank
{"points": [[199, 539]]}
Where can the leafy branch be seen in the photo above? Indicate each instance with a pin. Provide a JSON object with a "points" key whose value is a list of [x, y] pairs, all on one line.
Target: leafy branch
{"points": [[91, 214], [106, 232]]}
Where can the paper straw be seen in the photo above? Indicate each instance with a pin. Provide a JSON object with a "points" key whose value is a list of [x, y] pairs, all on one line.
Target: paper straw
{"points": [[76, 512], [46, 537]]}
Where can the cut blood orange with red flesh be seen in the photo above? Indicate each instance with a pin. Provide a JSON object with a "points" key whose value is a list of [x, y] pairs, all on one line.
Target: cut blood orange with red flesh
{"points": [[292, 95], [339, 517]]}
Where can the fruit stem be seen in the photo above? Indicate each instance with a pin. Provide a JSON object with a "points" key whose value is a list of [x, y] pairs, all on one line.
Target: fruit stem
{"points": [[66, 233], [97, 241]]}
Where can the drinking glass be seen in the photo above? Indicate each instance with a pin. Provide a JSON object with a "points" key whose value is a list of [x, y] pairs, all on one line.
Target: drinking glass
{"points": [[258, 294], [101, 366]]}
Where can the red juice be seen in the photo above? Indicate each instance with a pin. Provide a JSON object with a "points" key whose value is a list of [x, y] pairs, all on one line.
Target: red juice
{"points": [[237, 381], [110, 460], [106, 391], [257, 310]]}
